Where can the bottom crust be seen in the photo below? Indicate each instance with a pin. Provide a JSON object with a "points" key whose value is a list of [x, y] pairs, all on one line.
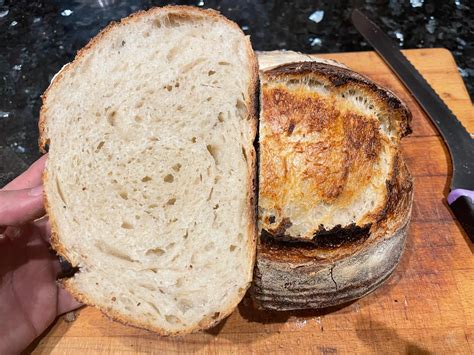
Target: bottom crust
{"points": [[283, 287]]}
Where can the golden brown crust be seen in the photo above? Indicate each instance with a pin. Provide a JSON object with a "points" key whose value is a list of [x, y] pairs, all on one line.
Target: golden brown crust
{"points": [[319, 148], [343, 78], [390, 220], [182, 12]]}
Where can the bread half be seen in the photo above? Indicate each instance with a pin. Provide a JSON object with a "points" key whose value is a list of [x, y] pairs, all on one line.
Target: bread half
{"points": [[334, 193], [150, 176]]}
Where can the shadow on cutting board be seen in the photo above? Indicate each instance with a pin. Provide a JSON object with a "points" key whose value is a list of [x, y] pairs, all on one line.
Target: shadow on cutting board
{"points": [[252, 314]]}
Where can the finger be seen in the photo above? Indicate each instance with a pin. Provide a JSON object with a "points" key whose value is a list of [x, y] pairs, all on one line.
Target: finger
{"points": [[66, 302], [43, 226], [20, 206], [30, 178]]}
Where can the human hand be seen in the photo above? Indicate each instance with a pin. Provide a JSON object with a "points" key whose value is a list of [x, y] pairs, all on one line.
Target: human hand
{"points": [[30, 299]]}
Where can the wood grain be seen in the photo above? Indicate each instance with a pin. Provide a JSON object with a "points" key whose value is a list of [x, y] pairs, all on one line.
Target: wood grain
{"points": [[426, 306]]}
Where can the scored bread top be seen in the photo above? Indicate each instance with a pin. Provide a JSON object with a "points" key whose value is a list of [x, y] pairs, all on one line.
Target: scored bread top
{"points": [[328, 141], [149, 182]]}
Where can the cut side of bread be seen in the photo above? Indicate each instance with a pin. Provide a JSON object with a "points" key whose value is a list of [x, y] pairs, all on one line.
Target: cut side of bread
{"points": [[149, 183], [335, 195]]}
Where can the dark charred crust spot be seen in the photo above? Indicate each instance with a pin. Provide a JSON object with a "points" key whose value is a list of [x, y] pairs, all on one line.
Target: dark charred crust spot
{"points": [[271, 219], [291, 128], [288, 249], [67, 270], [339, 236], [282, 227], [322, 239]]}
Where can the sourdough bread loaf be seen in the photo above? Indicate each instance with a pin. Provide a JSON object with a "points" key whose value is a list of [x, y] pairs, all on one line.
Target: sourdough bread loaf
{"points": [[150, 176], [334, 192]]}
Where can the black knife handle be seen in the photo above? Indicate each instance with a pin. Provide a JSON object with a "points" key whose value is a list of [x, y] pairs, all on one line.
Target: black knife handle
{"points": [[463, 209]]}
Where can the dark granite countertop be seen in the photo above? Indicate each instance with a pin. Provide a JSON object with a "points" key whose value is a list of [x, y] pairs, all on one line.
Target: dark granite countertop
{"points": [[38, 37]]}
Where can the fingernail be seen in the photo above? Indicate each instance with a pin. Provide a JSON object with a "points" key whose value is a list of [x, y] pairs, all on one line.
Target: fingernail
{"points": [[36, 191]]}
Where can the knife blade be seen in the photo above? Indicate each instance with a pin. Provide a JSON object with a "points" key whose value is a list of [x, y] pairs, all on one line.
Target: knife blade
{"points": [[458, 140]]}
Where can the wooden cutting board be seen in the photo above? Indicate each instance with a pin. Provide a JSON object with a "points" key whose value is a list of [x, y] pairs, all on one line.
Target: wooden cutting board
{"points": [[426, 306]]}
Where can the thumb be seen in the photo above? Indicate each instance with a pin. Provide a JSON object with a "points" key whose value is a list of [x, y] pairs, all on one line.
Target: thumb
{"points": [[66, 302], [20, 206]]}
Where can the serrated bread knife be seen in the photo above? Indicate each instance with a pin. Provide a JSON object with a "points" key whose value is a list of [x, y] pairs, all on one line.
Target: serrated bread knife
{"points": [[460, 144]]}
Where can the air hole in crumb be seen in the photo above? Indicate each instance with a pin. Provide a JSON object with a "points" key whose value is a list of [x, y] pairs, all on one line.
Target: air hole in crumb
{"points": [[315, 83], [223, 63], [176, 167], [139, 104], [232, 247], [111, 118], [179, 108], [126, 225], [216, 315], [147, 287], [193, 139], [138, 118], [244, 153], [184, 305], [169, 87], [153, 205], [124, 195], [216, 206], [157, 23], [209, 247], [176, 85], [220, 117], [155, 252], [172, 319], [112, 251], [146, 179], [146, 34], [240, 236], [211, 72], [210, 194], [99, 146], [60, 192], [171, 201], [241, 109], [180, 282], [154, 307], [137, 217], [186, 68], [168, 178], [209, 99], [213, 152], [172, 53]]}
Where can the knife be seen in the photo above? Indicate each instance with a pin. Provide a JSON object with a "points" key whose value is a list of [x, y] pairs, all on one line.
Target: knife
{"points": [[458, 140]]}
